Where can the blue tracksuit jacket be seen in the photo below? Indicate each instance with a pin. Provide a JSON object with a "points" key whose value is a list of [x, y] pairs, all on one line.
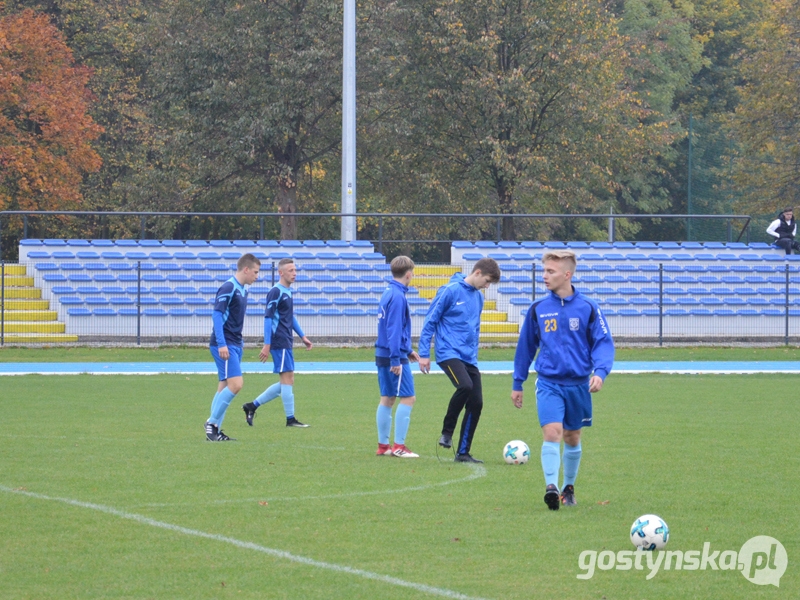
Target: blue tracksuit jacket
{"points": [[572, 337], [454, 316], [394, 326]]}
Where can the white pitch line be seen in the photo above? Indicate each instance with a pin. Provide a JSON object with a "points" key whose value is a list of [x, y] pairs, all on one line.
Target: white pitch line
{"points": [[477, 472], [420, 587]]}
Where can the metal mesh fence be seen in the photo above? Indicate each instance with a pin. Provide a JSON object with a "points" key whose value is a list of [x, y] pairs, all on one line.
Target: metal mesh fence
{"points": [[133, 304]]}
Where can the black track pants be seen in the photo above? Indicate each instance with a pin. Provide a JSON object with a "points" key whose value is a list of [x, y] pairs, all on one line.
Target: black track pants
{"points": [[469, 396]]}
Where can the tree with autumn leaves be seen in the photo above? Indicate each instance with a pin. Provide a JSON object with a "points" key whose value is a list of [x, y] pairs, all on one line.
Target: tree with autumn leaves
{"points": [[45, 129]]}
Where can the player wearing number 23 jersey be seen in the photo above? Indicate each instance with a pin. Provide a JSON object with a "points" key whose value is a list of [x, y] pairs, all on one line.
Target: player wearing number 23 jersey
{"points": [[574, 339]]}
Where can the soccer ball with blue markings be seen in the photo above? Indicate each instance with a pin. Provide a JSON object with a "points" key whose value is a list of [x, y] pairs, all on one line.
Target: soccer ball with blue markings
{"points": [[649, 532], [516, 452]]}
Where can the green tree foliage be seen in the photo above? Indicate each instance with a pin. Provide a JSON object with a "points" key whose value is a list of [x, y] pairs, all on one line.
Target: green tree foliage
{"points": [[526, 104], [248, 99], [767, 120], [105, 36]]}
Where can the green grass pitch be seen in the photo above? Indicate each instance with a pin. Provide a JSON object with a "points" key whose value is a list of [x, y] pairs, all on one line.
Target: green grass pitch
{"points": [[108, 490]]}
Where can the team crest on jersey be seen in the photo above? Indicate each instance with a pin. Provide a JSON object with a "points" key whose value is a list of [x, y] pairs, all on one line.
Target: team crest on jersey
{"points": [[574, 324]]}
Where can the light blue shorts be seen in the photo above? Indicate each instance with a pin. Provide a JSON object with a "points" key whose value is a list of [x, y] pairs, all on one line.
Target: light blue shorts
{"points": [[570, 405], [231, 367], [282, 360], [392, 385]]}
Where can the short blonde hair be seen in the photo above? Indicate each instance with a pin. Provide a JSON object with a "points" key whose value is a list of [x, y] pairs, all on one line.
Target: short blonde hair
{"points": [[559, 256], [401, 265]]}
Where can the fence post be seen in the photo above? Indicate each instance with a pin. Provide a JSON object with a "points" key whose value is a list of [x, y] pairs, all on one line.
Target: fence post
{"points": [[786, 308], [24, 227], [611, 233], [261, 228], [2, 301], [141, 227], [139, 303], [660, 304]]}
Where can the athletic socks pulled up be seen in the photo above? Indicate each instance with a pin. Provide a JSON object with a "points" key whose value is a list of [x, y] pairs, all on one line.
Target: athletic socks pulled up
{"points": [[551, 462]]}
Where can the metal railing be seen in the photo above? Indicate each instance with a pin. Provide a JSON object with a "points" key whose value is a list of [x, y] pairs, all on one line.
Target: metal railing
{"points": [[662, 320]]}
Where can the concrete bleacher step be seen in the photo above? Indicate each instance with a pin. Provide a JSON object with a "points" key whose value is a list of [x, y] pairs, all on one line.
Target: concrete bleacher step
{"points": [[39, 338], [15, 270], [22, 293], [499, 338], [27, 304], [494, 327], [35, 327], [27, 317], [438, 270], [494, 316], [18, 281]]}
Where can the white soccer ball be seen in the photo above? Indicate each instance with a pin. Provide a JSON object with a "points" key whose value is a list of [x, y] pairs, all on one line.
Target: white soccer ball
{"points": [[649, 532], [516, 452]]}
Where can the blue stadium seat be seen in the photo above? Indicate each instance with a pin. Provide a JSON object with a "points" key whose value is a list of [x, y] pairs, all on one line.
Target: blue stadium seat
{"points": [[96, 266], [203, 312], [121, 301], [768, 291], [345, 301], [154, 312], [687, 301], [120, 267], [38, 255], [71, 266], [79, 278], [734, 301], [46, 266], [96, 301], [196, 301], [59, 290], [104, 312], [181, 244], [79, 312]]}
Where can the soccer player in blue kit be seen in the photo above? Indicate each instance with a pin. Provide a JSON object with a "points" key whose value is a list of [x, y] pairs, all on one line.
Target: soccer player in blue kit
{"points": [[576, 354], [454, 321], [279, 324], [393, 353], [226, 343]]}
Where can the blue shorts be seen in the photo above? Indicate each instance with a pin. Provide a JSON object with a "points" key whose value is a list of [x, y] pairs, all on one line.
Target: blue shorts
{"points": [[392, 385], [231, 367], [570, 405], [282, 360]]}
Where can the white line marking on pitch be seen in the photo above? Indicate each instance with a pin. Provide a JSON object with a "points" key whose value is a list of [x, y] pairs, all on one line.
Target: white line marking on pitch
{"points": [[478, 471], [420, 587]]}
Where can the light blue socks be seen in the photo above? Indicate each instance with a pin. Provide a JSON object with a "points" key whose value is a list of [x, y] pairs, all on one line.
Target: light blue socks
{"points": [[551, 462], [572, 460], [383, 417], [402, 418], [220, 404], [287, 395], [270, 393]]}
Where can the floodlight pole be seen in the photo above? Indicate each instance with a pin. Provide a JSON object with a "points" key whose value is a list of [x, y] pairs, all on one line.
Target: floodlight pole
{"points": [[349, 122]]}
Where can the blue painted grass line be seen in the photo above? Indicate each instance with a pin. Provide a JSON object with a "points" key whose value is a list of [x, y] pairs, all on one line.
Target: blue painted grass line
{"points": [[487, 367]]}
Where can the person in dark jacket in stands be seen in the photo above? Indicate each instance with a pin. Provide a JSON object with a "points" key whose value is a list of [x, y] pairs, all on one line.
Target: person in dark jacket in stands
{"points": [[784, 228]]}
